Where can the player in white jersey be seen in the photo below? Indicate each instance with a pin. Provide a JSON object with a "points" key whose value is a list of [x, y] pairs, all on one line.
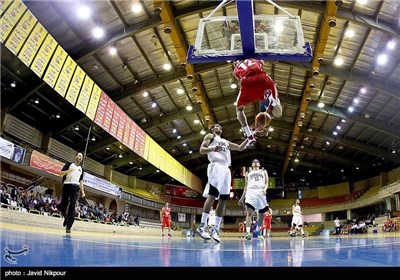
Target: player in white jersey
{"points": [[219, 178], [297, 220], [254, 197]]}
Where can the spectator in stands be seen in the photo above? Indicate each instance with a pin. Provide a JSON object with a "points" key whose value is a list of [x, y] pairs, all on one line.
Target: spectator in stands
{"points": [[297, 220], [72, 173], [14, 204], [54, 208], [13, 192], [388, 225], [219, 178], [136, 220], [254, 197], [338, 226], [165, 215]]}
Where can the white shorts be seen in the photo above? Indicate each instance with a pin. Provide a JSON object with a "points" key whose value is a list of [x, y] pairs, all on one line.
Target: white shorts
{"points": [[297, 220], [256, 198], [219, 176]]}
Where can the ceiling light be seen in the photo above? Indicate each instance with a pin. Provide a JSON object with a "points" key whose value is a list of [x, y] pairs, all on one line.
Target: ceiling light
{"points": [[145, 94], [167, 66], [350, 33], [93, 138], [321, 104], [13, 84], [113, 51], [189, 107], [338, 61], [58, 116], [37, 101], [391, 45], [76, 128], [382, 59], [153, 104], [84, 12], [136, 7], [98, 32], [120, 155]]}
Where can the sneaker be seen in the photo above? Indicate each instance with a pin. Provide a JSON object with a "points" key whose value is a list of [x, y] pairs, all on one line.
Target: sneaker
{"points": [[303, 235], [215, 234], [248, 236], [203, 233], [65, 223], [162, 235], [169, 235], [259, 235], [68, 230]]}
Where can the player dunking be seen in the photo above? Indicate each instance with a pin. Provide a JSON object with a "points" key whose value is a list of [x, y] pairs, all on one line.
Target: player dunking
{"points": [[255, 85]]}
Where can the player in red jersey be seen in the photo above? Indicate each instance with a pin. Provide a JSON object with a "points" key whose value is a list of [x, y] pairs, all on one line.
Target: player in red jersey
{"points": [[255, 85], [165, 216], [266, 227]]}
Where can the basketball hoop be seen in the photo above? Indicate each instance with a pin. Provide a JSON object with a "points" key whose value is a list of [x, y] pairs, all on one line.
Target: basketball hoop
{"points": [[264, 37]]}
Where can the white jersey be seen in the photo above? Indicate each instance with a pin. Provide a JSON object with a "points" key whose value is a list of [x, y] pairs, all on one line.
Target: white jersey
{"points": [[254, 190], [223, 156], [296, 210], [256, 180]]}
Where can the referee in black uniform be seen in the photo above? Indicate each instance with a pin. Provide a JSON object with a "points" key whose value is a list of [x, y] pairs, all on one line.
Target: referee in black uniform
{"points": [[72, 173]]}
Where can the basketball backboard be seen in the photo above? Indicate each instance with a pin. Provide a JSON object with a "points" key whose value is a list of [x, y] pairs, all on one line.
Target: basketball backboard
{"points": [[276, 37]]}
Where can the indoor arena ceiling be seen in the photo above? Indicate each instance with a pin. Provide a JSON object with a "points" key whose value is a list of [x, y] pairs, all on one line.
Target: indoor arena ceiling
{"points": [[367, 143]]}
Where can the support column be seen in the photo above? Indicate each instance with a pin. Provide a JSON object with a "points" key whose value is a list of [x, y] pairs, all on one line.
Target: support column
{"points": [[388, 204], [348, 214]]}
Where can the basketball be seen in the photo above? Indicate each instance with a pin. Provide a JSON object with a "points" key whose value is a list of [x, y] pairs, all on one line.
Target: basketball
{"points": [[263, 119]]}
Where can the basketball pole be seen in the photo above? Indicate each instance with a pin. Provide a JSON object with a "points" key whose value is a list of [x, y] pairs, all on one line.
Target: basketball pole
{"points": [[86, 146], [84, 159]]}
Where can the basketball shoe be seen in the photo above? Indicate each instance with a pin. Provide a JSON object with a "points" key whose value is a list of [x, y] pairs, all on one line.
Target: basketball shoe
{"points": [[248, 236], [215, 234], [203, 233]]}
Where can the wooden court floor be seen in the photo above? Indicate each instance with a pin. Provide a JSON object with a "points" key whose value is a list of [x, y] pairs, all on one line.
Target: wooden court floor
{"points": [[32, 248]]}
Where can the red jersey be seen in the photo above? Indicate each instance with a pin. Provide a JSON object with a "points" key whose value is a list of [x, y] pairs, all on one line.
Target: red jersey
{"points": [[166, 212], [248, 67], [255, 84], [165, 217], [267, 221]]}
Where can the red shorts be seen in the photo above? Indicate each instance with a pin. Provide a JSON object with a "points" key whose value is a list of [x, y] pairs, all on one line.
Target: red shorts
{"points": [[255, 88], [166, 223]]}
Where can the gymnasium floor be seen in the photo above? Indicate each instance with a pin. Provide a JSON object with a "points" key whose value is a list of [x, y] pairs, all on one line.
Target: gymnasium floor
{"points": [[37, 248]]}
